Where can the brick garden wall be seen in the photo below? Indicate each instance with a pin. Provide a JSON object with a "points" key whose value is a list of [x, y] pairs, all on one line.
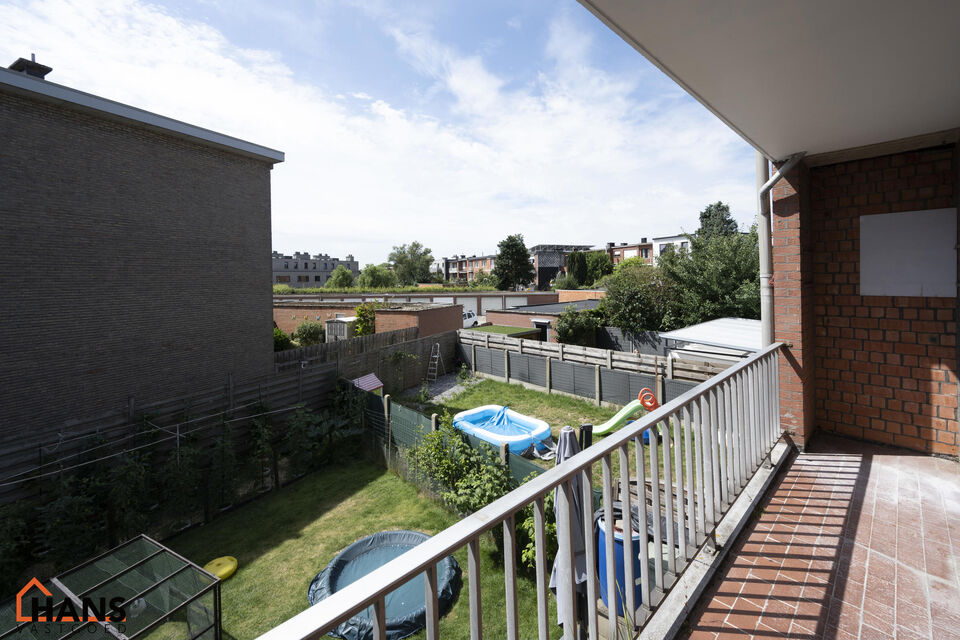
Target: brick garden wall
{"points": [[134, 265], [884, 368]]}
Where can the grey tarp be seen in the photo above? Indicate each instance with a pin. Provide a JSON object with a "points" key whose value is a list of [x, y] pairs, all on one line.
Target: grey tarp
{"points": [[568, 447]]}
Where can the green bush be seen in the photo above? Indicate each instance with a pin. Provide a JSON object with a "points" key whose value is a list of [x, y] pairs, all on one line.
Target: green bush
{"points": [[566, 282], [281, 341], [282, 290], [309, 333], [526, 533], [366, 323], [300, 440], [469, 479], [577, 327]]}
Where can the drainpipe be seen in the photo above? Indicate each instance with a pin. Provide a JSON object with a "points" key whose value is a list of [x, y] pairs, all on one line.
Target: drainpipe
{"points": [[764, 184]]}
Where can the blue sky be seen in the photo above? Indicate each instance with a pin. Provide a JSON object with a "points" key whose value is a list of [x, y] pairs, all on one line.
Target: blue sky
{"points": [[451, 123]]}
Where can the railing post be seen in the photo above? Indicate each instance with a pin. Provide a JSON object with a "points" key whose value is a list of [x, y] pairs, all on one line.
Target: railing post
{"points": [[510, 577], [473, 568], [565, 560], [540, 551]]}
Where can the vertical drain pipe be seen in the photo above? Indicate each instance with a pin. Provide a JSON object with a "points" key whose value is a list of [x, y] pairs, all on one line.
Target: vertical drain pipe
{"points": [[764, 236]]}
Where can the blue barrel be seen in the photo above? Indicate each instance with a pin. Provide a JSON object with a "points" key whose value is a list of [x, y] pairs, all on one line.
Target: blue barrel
{"points": [[618, 563]]}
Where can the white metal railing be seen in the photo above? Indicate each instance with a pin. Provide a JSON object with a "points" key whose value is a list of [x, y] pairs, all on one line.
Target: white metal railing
{"points": [[723, 430]]}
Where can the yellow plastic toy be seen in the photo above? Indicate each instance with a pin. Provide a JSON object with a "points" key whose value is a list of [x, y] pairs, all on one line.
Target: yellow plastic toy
{"points": [[222, 567]]}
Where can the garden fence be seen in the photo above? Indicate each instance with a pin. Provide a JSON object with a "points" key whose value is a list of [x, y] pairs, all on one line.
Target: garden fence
{"points": [[596, 382], [404, 428]]}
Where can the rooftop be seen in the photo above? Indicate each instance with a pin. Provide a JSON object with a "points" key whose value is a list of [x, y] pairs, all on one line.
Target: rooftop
{"points": [[730, 333], [556, 307], [21, 84]]}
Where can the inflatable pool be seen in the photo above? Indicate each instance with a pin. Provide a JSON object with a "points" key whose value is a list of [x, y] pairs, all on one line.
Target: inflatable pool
{"points": [[497, 424], [406, 610]]}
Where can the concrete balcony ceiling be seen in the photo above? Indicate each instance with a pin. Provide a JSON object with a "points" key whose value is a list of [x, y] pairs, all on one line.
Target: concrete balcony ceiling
{"points": [[815, 76]]}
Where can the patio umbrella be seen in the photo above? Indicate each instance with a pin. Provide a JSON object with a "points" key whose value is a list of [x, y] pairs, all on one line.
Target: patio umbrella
{"points": [[568, 446]]}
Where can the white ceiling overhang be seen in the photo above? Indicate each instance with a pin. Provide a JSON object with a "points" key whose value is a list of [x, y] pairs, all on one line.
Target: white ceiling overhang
{"points": [[813, 76]]}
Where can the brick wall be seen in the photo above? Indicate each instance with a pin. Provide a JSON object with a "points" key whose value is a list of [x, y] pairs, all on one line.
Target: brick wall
{"points": [[289, 317], [572, 295], [429, 321], [133, 265], [884, 368]]}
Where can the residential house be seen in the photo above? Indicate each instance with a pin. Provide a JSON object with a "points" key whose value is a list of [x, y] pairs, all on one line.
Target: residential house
{"points": [[155, 225], [550, 260], [662, 243], [624, 251]]}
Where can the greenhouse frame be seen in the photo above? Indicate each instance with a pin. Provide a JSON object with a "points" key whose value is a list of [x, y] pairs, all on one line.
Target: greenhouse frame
{"points": [[162, 596]]}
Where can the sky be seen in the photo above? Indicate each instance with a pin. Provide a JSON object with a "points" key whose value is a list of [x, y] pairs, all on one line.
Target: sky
{"points": [[450, 122]]}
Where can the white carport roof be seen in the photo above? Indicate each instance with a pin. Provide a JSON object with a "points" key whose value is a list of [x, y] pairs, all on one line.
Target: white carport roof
{"points": [[813, 75], [728, 333]]}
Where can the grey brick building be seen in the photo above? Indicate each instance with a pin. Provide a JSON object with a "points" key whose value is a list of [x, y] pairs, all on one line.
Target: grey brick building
{"points": [[133, 255], [303, 270]]}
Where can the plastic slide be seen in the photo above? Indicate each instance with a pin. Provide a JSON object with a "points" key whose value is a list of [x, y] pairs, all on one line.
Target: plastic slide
{"points": [[645, 401]]}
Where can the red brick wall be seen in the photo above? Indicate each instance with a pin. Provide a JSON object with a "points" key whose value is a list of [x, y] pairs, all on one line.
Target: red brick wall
{"points": [[428, 321], [288, 318], [572, 295], [884, 368]]}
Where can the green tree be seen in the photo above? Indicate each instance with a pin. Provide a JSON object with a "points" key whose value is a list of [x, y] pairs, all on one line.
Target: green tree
{"points": [[366, 323], [512, 266], [483, 280], [309, 333], [411, 263], [715, 219], [598, 265], [565, 281], [341, 278], [377, 276], [577, 267], [718, 277], [577, 327], [639, 298]]}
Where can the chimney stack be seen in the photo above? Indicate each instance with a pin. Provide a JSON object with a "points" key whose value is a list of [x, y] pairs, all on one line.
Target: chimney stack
{"points": [[31, 67]]}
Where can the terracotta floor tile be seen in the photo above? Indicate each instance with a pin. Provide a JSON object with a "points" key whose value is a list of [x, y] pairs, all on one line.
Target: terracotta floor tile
{"points": [[855, 541]]}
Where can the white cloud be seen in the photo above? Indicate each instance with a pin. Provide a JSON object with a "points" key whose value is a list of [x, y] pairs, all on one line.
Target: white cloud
{"points": [[571, 156]]}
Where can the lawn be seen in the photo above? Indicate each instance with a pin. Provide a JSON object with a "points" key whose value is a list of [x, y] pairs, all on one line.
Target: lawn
{"points": [[556, 410], [282, 540]]}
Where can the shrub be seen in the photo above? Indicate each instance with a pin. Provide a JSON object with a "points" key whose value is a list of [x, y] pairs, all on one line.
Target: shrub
{"points": [[281, 341], [300, 440], [566, 282], [341, 278], [526, 533], [366, 323], [282, 290], [309, 333], [577, 327]]}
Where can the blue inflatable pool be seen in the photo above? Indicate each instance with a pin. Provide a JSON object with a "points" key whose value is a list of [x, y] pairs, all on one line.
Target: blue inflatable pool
{"points": [[497, 424], [406, 610]]}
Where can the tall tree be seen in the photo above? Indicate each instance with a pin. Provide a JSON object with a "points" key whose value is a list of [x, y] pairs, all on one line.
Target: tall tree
{"points": [[598, 265], [512, 266], [718, 277], [715, 219], [639, 298], [341, 278], [411, 263], [577, 267], [377, 276]]}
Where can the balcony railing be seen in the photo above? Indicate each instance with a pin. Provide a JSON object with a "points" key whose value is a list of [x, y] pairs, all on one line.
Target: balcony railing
{"points": [[712, 440]]}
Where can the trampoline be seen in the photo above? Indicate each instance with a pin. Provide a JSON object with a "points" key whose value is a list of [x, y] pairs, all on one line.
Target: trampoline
{"points": [[406, 609]]}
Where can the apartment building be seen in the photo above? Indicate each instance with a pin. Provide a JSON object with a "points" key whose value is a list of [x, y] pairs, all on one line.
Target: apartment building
{"points": [[305, 270]]}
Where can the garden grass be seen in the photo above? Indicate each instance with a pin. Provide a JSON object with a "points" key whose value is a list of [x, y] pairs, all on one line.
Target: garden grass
{"points": [[283, 539], [499, 328]]}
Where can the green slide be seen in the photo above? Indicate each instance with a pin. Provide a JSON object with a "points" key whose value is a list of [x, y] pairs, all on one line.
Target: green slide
{"points": [[621, 418]]}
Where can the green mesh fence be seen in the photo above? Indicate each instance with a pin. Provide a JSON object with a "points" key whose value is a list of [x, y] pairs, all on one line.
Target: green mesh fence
{"points": [[407, 428]]}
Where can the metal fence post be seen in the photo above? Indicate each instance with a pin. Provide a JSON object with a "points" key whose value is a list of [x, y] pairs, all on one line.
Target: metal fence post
{"points": [[388, 425], [596, 382]]}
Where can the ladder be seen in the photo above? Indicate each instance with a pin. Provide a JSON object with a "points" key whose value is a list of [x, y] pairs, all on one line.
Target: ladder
{"points": [[436, 363]]}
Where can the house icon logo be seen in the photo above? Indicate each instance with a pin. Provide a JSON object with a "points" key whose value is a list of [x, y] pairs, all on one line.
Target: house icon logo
{"points": [[41, 607]]}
